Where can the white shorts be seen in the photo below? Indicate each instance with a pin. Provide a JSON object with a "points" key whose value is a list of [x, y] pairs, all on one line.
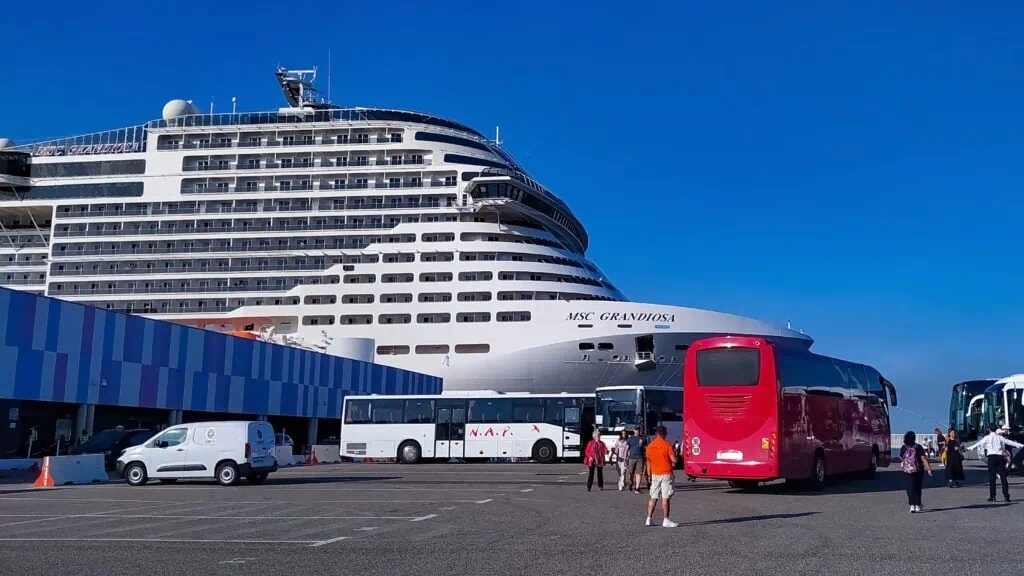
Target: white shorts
{"points": [[661, 486]]}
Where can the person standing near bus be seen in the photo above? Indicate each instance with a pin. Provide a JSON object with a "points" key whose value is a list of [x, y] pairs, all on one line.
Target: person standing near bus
{"points": [[954, 460], [940, 441], [993, 446], [914, 462], [621, 451], [594, 459], [661, 459], [635, 452]]}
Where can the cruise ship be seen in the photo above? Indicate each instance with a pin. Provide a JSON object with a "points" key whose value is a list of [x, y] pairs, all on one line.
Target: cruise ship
{"points": [[388, 235]]}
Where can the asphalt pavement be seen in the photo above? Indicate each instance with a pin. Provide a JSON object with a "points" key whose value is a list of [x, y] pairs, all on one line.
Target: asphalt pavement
{"points": [[499, 519]]}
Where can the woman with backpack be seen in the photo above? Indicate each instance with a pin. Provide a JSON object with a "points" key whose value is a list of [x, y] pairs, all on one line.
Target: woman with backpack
{"points": [[594, 459], [914, 462]]}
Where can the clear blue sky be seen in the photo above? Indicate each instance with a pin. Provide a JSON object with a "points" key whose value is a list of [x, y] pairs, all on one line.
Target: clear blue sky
{"points": [[855, 169]]}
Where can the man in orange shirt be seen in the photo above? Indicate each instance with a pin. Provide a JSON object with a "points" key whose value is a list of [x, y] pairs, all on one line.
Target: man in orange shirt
{"points": [[660, 460]]}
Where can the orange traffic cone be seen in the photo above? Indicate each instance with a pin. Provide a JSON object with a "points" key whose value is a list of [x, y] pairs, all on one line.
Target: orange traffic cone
{"points": [[312, 456], [44, 478]]}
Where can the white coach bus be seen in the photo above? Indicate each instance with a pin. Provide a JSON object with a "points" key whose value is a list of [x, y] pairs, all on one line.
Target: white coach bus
{"points": [[466, 425], [640, 409]]}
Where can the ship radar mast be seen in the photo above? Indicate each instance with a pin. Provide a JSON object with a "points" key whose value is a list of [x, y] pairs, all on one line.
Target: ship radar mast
{"points": [[297, 87]]}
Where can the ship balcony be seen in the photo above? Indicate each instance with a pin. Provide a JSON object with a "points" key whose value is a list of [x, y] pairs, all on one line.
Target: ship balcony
{"points": [[310, 165]]}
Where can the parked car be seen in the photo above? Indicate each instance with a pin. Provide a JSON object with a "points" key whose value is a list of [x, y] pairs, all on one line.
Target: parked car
{"points": [[112, 442], [225, 451]]}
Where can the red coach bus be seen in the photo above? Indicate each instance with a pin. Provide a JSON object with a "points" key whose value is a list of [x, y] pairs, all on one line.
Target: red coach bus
{"points": [[756, 411]]}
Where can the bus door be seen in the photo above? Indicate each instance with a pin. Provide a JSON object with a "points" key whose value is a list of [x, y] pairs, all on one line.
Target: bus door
{"points": [[572, 432], [450, 429]]}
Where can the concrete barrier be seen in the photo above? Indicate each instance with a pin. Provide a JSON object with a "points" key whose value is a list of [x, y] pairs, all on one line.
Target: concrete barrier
{"points": [[324, 454], [284, 457], [83, 469]]}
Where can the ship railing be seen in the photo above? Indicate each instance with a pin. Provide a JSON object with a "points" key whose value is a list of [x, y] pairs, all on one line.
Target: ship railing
{"points": [[189, 270]]}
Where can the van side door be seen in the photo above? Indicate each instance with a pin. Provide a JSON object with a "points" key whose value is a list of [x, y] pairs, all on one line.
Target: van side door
{"points": [[166, 457]]}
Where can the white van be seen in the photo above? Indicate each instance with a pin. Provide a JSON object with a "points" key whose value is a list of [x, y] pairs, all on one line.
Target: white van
{"points": [[225, 451]]}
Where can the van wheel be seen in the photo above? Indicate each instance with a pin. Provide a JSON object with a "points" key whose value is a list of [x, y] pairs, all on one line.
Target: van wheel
{"points": [[135, 474], [409, 452], [168, 480], [817, 480], [544, 452], [257, 478], [227, 474]]}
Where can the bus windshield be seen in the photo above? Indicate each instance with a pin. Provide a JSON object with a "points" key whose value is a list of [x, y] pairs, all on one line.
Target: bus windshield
{"points": [[964, 415], [617, 408], [995, 412]]}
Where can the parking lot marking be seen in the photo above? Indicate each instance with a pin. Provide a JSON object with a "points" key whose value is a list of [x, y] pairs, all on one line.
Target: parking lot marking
{"points": [[484, 501], [253, 502], [422, 518], [366, 528], [171, 540], [527, 490], [45, 517], [226, 517], [325, 542]]}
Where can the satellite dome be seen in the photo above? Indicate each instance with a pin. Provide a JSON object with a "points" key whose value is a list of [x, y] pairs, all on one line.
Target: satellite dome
{"points": [[5, 143], [178, 108]]}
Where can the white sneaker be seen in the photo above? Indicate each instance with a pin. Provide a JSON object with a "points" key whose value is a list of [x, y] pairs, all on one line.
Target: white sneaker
{"points": [[648, 523], [666, 523]]}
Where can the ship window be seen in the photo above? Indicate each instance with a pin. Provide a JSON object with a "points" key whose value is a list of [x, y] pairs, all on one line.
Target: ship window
{"points": [[681, 346], [392, 350], [432, 349], [605, 346], [472, 348], [586, 345]]}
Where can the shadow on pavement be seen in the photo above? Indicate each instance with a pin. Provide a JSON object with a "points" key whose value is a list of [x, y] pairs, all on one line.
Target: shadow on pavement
{"points": [[970, 507], [886, 480], [742, 519]]}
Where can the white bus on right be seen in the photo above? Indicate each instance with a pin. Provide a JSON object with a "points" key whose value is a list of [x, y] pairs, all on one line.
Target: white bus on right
{"points": [[1004, 407], [640, 409]]}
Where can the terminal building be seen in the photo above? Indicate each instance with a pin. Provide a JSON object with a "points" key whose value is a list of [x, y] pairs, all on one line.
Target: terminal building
{"points": [[65, 367]]}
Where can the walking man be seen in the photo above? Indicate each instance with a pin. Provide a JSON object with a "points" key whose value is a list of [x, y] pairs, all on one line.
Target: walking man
{"points": [[993, 446], [660, 461], [635, 455]]}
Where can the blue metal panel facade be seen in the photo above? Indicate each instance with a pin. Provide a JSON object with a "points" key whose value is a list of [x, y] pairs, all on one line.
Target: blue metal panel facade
{"points": [[53, 350]]}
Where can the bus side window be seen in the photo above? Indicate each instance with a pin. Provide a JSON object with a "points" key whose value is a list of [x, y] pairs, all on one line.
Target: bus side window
{"points": [[357, 412], [387, 411], [554, 410], [527, 410], [419, 411]]}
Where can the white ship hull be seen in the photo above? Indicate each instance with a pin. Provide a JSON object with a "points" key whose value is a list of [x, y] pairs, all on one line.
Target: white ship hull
{"points": [[388, 234]]}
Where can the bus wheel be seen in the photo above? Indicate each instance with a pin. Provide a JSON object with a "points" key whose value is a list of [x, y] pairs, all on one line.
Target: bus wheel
{"points": [[409, 452], [817, 481], [544, 452], [872, 464]]}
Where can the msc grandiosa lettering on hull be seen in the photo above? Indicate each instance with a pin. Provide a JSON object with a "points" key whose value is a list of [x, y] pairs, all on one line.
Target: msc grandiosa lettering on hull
{"points": [[622, 316]]}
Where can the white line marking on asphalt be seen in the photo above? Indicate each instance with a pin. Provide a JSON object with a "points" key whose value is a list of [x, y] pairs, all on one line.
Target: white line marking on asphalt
{"points": [[422, 518], [325, 542], [45, 517], [254, 502], [282, 488], [527, 490], [173, 540], [448, 508], [213, 516], [366, 528], [485, 501]]}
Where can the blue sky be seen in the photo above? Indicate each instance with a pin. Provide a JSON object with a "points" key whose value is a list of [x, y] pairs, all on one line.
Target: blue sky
{"points": [[852, 168]]}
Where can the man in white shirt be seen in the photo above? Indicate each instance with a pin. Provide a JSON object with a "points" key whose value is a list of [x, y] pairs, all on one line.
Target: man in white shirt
{"points": [[993, 446]]}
